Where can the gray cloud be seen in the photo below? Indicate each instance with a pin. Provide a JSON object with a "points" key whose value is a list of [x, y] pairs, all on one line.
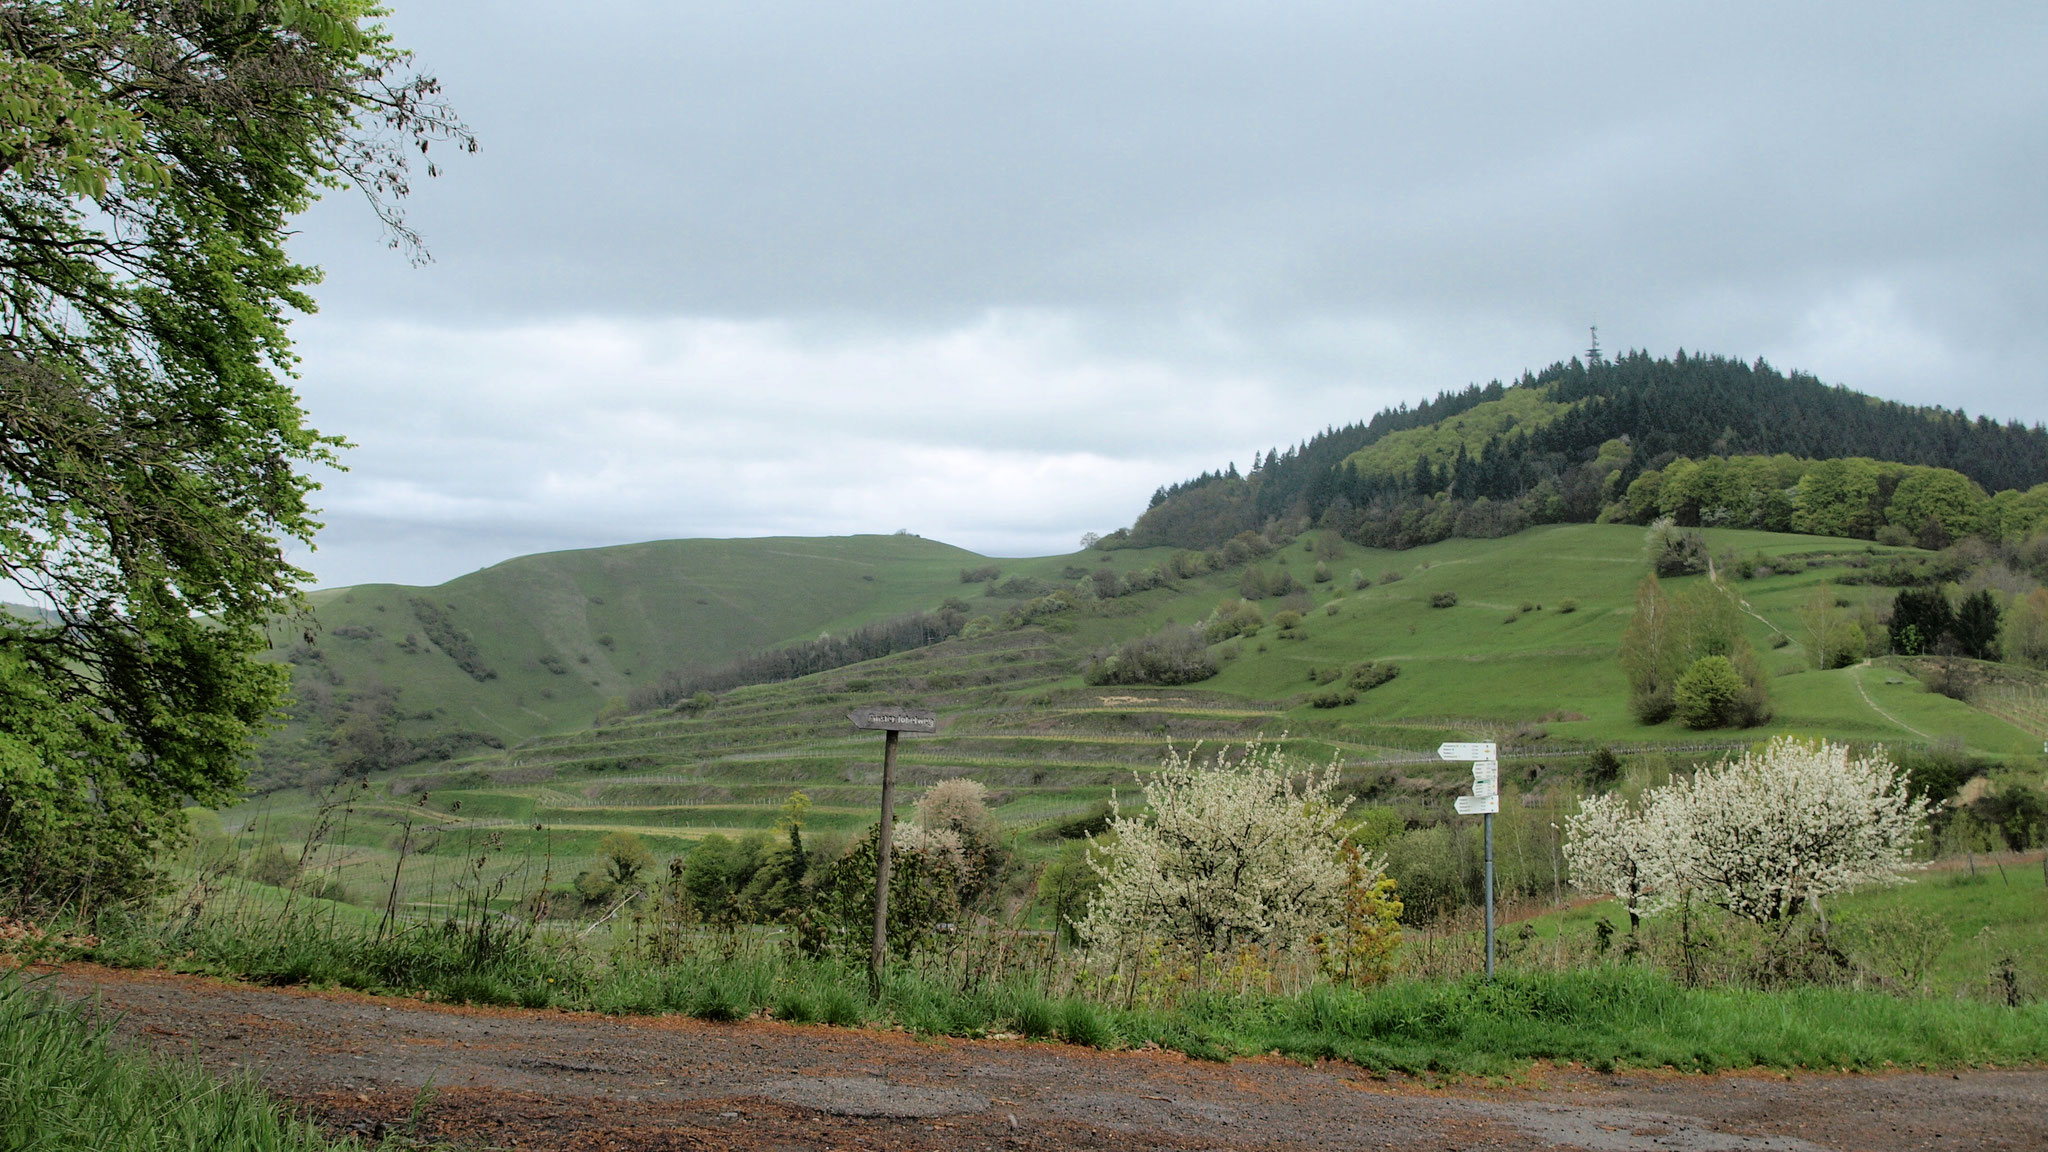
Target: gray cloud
{"points": [[1263, 221]]}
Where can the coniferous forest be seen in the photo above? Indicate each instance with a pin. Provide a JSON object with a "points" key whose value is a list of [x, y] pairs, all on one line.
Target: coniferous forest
{"points": [[1580, 452]]}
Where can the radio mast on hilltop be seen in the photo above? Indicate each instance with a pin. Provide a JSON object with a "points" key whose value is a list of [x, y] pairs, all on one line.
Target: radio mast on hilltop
{"points": [[1593, 349]]}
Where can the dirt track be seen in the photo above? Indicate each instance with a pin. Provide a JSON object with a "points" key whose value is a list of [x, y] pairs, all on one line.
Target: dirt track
{"points": [[554, 1080]]}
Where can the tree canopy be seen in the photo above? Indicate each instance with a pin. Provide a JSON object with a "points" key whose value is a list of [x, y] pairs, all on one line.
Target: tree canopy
{"points": [[154, 459], [1580, 441]]}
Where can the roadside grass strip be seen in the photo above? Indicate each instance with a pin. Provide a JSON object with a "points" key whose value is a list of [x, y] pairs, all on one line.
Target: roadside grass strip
{"points": [[1602, 1016], [65, 1086]]}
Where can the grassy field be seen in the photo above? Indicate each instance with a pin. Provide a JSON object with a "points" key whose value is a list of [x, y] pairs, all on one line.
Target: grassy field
{"points": [[561, 633], [1508, 662]]}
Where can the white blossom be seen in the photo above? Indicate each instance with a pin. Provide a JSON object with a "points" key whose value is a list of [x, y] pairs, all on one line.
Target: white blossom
{"points": [[1229, 854], [1607, 851], [1772, 831], [937, 845]]}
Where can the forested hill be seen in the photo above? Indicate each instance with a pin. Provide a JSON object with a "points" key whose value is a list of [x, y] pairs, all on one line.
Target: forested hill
{"points": [[1566, 444]]}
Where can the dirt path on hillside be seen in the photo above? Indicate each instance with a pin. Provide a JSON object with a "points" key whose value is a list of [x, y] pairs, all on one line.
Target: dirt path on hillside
{"points": [[1856, 674], [574, 1081]]}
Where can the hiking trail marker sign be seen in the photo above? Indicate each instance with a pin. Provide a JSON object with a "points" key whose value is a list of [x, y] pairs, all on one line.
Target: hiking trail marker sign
{"points": [[1483, 802], [892, 722]]}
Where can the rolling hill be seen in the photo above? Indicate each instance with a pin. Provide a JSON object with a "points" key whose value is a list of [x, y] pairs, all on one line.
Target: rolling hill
{"points": [[541, 643], [540, 704], [1526, 656]]}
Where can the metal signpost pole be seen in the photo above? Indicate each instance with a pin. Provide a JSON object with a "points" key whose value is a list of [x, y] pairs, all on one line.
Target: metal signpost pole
{"points": [[1483, 802], [891, 722], [1489, 895]]}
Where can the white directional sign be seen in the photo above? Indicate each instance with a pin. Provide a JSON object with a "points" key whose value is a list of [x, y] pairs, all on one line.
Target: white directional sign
{"points": [[1485, 751], [1487, 770], [1485, 788], [1476, 805]]}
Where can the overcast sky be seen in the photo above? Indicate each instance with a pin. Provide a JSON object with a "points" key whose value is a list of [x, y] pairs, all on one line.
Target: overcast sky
{"points": [[994, 274]]}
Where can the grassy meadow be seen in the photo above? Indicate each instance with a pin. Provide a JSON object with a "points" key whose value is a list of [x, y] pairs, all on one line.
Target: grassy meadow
{"points": [[1524, 657], [422, 879]]}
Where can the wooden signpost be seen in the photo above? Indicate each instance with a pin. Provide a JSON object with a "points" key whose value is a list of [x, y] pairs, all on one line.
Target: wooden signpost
{"points": [[1484, 801], [891, 722]]}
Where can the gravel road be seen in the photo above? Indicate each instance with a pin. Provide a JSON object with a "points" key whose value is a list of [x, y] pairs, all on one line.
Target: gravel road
{"points": [[509, 1078]]}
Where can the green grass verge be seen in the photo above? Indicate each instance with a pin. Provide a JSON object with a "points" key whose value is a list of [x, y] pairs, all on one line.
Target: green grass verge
{"points": [[66, 1087], [1603, 1016]]}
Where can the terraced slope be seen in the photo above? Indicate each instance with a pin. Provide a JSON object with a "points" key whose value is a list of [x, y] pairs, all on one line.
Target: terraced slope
{"points": [[1507, 662], [542, 643]]}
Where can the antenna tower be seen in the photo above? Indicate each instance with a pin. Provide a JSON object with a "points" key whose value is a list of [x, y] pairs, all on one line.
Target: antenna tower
{"points": [[1593, 350]]}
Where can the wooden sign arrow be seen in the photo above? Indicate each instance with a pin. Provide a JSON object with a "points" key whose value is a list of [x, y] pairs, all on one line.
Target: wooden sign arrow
{"points": [[895, 719]]}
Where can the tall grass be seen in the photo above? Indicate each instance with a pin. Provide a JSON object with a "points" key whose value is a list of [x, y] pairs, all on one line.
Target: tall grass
{"points": [[1605, 1015], [65, 1086]]}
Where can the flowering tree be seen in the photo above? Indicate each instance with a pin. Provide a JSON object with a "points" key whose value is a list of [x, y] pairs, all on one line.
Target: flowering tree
{"points": [[1229, 854], [1606, 851], [1771, 831], [1759, 837]]}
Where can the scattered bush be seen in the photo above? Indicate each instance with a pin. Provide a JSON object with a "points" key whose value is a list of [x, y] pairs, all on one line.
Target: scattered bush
{"points": [[1444, 600], [1567, 606], [440, 628], [1675, 552], [1172, 655], [981, 575], [1707, 695], [271, 865], [1366, 677], [1233, 618]]}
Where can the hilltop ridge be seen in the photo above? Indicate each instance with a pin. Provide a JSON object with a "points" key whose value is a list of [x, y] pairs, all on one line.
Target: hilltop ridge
{"points": [[387, 675], [1564, 446]]}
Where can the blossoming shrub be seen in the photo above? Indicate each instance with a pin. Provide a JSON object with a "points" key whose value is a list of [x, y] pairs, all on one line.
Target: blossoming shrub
{"points": [[1227, 856], [1759, 837]]}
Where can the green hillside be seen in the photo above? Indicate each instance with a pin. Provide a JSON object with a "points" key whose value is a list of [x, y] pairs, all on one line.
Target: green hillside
{"points": [[541, 643], [1526, 656], [1341, 594], [1466, 433], [1569, 445]]}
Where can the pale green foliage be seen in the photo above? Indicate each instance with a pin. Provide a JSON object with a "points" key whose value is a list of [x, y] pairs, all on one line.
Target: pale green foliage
{"points": [[2013, 514], [1949, 498], [2027, 628], [1670, 635], [625, 857], [1833, 639], [1229, 853], [1706, 696], [1839, 498], [1760, 837]]}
